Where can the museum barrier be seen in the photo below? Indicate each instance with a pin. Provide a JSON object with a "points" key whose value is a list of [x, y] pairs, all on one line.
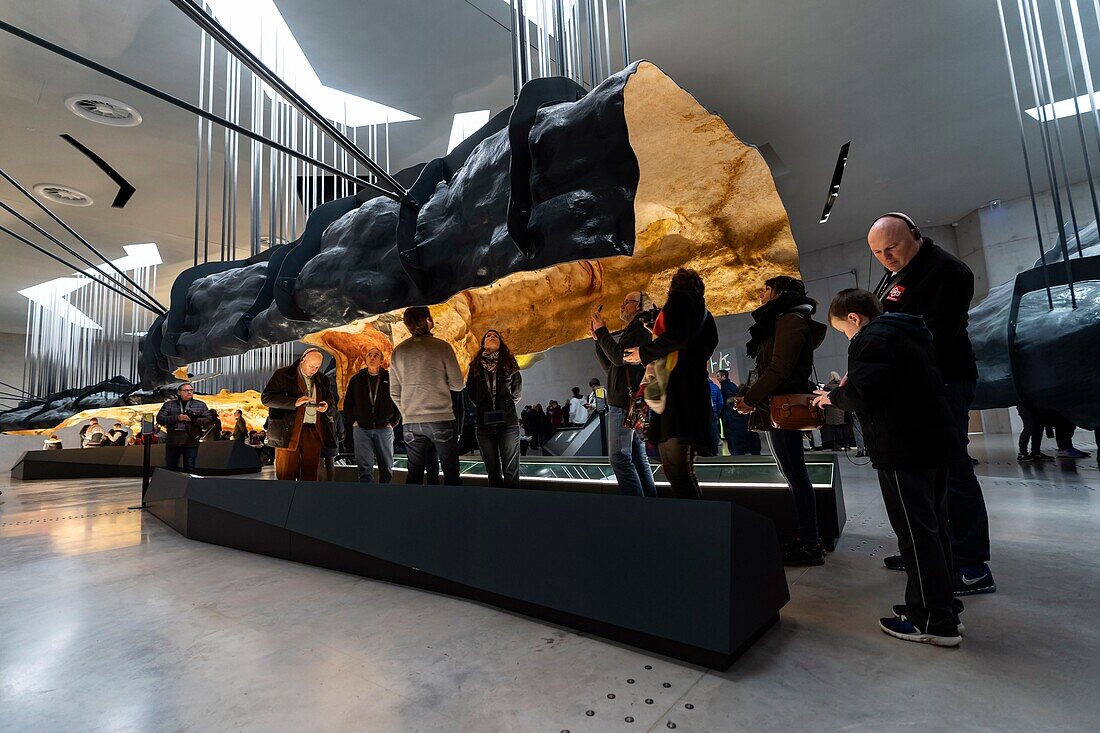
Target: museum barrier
{"points": [[216, 458], [696, 580], [752, 482]]}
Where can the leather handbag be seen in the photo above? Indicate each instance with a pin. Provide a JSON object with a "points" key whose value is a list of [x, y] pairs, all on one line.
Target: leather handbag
{"points": [[795, 412]]}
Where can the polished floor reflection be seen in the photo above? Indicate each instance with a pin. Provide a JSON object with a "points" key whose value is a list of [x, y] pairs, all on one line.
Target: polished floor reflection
{"points": [[111, 621]]}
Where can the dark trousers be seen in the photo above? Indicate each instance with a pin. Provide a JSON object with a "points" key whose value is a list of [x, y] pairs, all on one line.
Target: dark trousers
{"points": [[499, 447], [172, 454], [967, 520], [1033, 429], [419, 437], [304, 462], [786, 447], [678, 463], [916, 503], [1063, 429]]}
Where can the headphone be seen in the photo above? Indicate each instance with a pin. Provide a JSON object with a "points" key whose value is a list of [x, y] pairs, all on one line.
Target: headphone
{"points": [[913, 228]]}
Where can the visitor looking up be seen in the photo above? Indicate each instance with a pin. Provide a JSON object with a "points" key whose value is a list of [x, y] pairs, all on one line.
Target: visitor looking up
{"points": [[685, 336], [494, 384], [626, 449]]}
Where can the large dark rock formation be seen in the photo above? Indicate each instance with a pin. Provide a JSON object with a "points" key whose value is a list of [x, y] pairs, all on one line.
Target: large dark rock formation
{"points": [[1048, 357], [582, 180]]}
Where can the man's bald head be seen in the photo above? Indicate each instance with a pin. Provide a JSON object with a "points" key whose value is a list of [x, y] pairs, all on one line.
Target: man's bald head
{"points": [[311, 362], [893, 242]]}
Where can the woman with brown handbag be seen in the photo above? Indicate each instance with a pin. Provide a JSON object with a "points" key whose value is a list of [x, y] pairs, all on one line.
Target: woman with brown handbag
{"points": [[782, 340]]}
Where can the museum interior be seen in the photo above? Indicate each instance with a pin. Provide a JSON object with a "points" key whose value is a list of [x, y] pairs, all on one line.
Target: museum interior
{"points": [[549, 365]]}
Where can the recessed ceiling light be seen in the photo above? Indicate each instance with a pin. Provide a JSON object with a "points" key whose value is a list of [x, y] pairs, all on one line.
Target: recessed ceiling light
{"points": [[104, 110], [60, 194]]}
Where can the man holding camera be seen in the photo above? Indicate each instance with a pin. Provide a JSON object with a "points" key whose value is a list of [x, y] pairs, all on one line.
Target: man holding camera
{"points": [[297, 399], [185, 419], [625, 447]]}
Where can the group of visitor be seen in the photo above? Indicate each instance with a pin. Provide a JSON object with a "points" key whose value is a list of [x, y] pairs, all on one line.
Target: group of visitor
{"points": [[908, 341]]}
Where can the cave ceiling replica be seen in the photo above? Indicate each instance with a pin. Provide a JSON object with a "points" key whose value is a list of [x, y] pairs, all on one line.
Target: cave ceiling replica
{"points": [[1031, 353], [568, 200]]}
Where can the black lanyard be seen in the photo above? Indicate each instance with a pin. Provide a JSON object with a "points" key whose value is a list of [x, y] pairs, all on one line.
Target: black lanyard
{"points": [[492, 385], [377, 385]]}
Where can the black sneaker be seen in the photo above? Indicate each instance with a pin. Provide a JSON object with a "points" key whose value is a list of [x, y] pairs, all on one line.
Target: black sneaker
{"points": [[1025, 458], [800, 554], [973, 580], [894, 562], [899, 612], [1040, 456], [902, 628]]}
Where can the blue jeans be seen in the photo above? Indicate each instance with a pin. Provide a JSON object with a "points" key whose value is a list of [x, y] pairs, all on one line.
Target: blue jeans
{"points": [[628, 457], [420, 437], [172, 454], [967, 520], [370, 445], [499, 446], [786, 447]]}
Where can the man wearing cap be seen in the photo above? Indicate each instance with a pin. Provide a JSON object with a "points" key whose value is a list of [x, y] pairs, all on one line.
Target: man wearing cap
{"points": [[922, 279], [297, 399]]}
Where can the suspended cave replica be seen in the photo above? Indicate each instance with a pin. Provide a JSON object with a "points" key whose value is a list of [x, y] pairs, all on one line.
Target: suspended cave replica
{"points": [[611, 191]]}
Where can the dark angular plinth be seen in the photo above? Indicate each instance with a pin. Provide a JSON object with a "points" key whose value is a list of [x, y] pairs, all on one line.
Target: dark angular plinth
{"points": [[216, 458], [695, 580]]}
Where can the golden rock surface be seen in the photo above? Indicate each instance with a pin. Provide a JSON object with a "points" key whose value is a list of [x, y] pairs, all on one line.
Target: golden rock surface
{"points": [[705, 200]]}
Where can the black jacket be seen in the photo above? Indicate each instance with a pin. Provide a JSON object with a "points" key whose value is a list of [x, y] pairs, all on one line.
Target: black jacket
{"points": [[938, 287], [357, 401], [784, 337], [689, 330], [184, 434], [898, 392], [282, 391], [503, 398], [622, 379]]}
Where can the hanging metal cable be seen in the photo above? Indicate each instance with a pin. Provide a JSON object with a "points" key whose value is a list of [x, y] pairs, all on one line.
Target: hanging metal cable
{"points": [[177, 102], [149, 298], [1027, 158], [208, 23]]}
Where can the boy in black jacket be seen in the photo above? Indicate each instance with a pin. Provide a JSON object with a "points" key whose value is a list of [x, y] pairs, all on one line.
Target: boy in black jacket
{"points": [[892, 366]]}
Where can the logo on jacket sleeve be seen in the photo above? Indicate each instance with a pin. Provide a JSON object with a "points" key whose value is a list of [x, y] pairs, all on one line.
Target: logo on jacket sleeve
{"points": [[895, 293]]}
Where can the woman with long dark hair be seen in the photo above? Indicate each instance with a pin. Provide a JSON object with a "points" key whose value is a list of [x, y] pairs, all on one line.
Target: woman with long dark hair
{"points": [[685, 337], [782, 340], [494, 385]]}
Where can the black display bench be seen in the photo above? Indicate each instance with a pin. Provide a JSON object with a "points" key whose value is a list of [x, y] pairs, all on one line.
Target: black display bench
{"points": [[695, 580], [752, 482], [216, 458]]}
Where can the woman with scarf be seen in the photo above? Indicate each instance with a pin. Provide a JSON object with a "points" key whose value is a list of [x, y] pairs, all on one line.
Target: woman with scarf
{"points": [[782, 340], [685, 336], [494, 384]]}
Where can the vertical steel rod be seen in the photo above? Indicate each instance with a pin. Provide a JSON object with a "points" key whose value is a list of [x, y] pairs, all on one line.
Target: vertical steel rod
{"points": [[1023, 147]]}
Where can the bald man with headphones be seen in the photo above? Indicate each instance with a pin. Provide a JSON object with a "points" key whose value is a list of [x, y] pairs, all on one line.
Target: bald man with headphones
{"points": [[922, 279]]}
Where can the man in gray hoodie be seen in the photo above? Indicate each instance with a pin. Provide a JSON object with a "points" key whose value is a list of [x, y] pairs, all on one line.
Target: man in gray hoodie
{"points": [[423, 374]]}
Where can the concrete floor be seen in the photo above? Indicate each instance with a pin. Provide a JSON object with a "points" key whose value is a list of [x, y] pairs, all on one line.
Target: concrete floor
{"points": [[110, 621]]}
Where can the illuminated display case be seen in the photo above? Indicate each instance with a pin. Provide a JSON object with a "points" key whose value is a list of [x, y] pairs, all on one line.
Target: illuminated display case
{"points": [[753, 482]]}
